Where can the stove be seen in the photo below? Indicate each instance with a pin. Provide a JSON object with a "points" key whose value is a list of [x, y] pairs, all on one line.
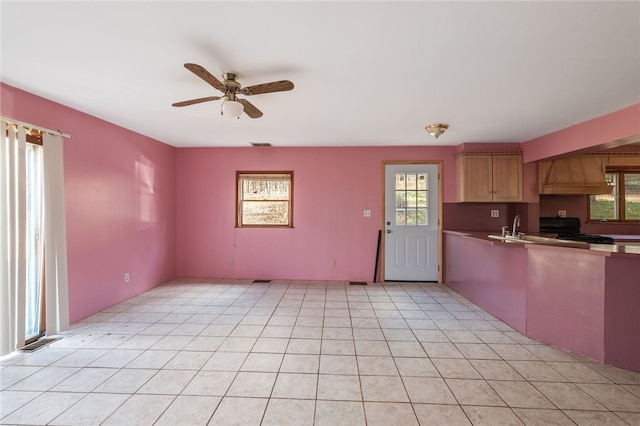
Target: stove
{"points": [[568, 228]]}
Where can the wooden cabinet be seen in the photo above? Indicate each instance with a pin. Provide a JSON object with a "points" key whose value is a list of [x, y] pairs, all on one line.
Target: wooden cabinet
{"points": [[623, 160], [489, 177]]}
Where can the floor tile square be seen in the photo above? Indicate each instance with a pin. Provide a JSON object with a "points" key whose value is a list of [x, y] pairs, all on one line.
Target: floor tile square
{"points": [[612, 396], [304, 346], [262, 362], [542, 417], [332, 413], [491, 416], [428, 390], [377, 366], [295, 385], [439, 415], [368, 334], [339, 387], [383, 389], [225, 361], [94, 408], [140, 410], [167, 382], [43, 409], [289, 412], [44, 379], [85, 380], [300, 363], [455, 368], [476, 351], [337, 347], [338, 364], [239, 412], [521, 394], [189, 410], [389, 413], [568, 396], [252, 384], [209, 383], [595, 418], [474, 392]]}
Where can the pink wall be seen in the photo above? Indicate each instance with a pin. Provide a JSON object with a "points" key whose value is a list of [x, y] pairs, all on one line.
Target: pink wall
{"points": [[119, 201], [332, 187], [598, 131]]}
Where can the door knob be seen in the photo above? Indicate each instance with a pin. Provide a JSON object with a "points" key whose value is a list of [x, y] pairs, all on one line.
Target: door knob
{"points": [[388, 231]]}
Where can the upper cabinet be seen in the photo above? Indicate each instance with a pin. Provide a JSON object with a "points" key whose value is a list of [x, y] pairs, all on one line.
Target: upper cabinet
{"points": [[574, 175], [489, 177]]}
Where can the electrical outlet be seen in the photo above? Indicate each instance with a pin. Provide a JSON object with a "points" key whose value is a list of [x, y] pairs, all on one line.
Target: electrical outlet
{"points": [[333, 263], [126, 277], [562, 213], [366, 213], [495, 213], [230, 262]]}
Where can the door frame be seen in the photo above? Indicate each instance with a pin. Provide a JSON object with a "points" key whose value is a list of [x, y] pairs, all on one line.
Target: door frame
{"points": [[382, 242]]}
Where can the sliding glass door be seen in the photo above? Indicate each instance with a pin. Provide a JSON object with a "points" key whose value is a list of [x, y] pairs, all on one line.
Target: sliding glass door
{"points": [[34, 309]]}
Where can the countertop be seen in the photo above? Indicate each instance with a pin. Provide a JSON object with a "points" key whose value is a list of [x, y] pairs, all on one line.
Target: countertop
{"points": [[604, 249]]}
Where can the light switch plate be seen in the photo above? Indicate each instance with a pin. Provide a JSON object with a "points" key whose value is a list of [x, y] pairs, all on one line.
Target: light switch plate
{"points": [[495, 213]]}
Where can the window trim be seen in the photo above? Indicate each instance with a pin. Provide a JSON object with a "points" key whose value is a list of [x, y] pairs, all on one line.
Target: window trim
{"points": [[264, 174], [620, 171]]}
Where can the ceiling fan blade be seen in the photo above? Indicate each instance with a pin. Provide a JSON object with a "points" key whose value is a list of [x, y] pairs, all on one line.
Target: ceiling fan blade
{"points": [[274, 86], [206, 76], [250, 109], [196, 101]]}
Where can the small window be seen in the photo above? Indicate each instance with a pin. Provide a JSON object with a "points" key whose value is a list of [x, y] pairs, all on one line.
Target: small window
{"points": [[264, 199], [623, 204]]}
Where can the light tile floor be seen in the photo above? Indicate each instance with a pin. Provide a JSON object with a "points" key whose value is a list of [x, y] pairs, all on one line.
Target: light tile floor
{"points": [[229, 352]]}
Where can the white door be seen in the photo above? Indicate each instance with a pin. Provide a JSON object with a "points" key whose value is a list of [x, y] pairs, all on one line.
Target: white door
{"points": [[411, 222]]}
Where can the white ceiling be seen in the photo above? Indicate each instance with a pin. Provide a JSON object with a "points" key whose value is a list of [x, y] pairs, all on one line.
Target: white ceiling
{"points": [[366, 73]]}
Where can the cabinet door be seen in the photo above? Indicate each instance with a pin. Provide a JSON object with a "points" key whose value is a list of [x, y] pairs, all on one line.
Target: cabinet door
{"points": [[475, 173], [507, 178]]}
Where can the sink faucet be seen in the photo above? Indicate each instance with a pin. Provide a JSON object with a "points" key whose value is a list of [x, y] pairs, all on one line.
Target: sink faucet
{"points": [[516, 223]]}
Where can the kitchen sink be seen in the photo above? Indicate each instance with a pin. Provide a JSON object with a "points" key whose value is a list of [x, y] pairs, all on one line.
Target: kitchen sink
{"points": [[538, 240]]}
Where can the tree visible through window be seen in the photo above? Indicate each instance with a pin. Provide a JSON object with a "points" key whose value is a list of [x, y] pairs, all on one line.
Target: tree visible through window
{"points": [[264, 199], [623, 204]]}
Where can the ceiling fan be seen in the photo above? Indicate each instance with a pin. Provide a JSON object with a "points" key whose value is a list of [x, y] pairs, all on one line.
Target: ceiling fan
{"points": [[230, 87]]}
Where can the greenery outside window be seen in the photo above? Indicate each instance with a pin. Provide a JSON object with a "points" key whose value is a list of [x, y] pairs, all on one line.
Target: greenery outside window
{"points": [[623, 204], [264, 199]]}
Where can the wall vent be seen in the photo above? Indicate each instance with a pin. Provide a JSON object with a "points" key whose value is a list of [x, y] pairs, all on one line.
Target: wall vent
{"points": [[40, 343]]}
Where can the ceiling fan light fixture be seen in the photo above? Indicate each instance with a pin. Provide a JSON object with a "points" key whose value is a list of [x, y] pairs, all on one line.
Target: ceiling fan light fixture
{"points": [[436, 129], [232, 109]]}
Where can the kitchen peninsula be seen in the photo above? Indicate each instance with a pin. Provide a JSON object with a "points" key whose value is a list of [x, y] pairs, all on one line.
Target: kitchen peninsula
{"points": [[582, 298]]}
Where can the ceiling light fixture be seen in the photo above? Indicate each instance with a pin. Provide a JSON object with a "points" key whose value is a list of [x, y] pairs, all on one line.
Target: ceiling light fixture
{"points": [[232, 109], [437, 129]]}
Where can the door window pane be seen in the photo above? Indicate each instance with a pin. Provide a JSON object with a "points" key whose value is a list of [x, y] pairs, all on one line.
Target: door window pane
{"points": [[412, 199]]}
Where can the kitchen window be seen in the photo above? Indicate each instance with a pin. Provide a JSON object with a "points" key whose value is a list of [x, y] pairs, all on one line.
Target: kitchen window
{"points": [[264, 199], [623, 204]]}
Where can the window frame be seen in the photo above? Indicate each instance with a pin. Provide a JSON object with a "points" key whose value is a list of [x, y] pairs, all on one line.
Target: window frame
{"points": [[244, 174], [620, 199]]}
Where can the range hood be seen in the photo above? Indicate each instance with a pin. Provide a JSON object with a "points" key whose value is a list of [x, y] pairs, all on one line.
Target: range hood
{"points": [[580, 175]]}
